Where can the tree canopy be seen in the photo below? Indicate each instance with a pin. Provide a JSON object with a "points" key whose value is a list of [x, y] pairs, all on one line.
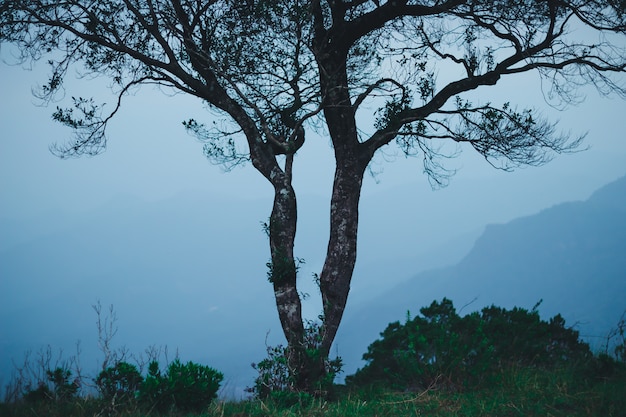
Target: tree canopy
{"points": [[367, 74]]}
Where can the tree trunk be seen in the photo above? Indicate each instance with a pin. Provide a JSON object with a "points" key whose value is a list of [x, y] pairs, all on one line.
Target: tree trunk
{"points": [[282, 273], [342, 246], [351, 160], [305, 369]]}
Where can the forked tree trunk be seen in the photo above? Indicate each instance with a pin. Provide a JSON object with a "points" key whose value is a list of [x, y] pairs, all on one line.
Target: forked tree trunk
{"points": [[307, 369]]}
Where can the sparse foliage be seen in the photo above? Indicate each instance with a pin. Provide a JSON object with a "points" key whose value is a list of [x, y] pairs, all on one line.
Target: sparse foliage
{"points": [[45, 376], [616, 340], [274, 70], [46, 384], [275, 380], [59, 387]]}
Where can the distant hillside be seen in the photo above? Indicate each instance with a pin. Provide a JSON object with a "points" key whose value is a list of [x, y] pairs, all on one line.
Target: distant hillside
{"points": [[572, 256]]}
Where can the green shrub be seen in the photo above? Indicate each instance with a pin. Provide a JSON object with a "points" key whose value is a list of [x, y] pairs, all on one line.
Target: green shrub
{"points": [[187, 387], [39, 394], [59, 387], [276, 381], [120, 383], [274, 375], [440, 347]]}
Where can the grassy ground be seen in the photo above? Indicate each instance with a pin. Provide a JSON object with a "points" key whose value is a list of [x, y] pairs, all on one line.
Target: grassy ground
{"points": [[516, 392]]}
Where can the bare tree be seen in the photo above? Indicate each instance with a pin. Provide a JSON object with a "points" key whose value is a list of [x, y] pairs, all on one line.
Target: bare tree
{"points": [[276, 69]]}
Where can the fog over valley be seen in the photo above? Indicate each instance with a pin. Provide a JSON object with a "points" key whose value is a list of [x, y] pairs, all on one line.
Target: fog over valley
{"points": [[193, 282]]}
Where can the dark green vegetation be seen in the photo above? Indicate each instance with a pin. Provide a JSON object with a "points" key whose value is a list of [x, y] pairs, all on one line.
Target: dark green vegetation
{"points": [[441, 348], [184, 387], [495, 362], [120, 389]]}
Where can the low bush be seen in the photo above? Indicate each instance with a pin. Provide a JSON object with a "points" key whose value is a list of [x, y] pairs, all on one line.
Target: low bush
{"points": [[186, 387], [440, 347], [275, 379], [58, 387], [120, 382]]}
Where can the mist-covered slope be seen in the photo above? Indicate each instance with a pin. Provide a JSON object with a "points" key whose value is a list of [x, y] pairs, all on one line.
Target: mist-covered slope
{"points": [[572, 256]]}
